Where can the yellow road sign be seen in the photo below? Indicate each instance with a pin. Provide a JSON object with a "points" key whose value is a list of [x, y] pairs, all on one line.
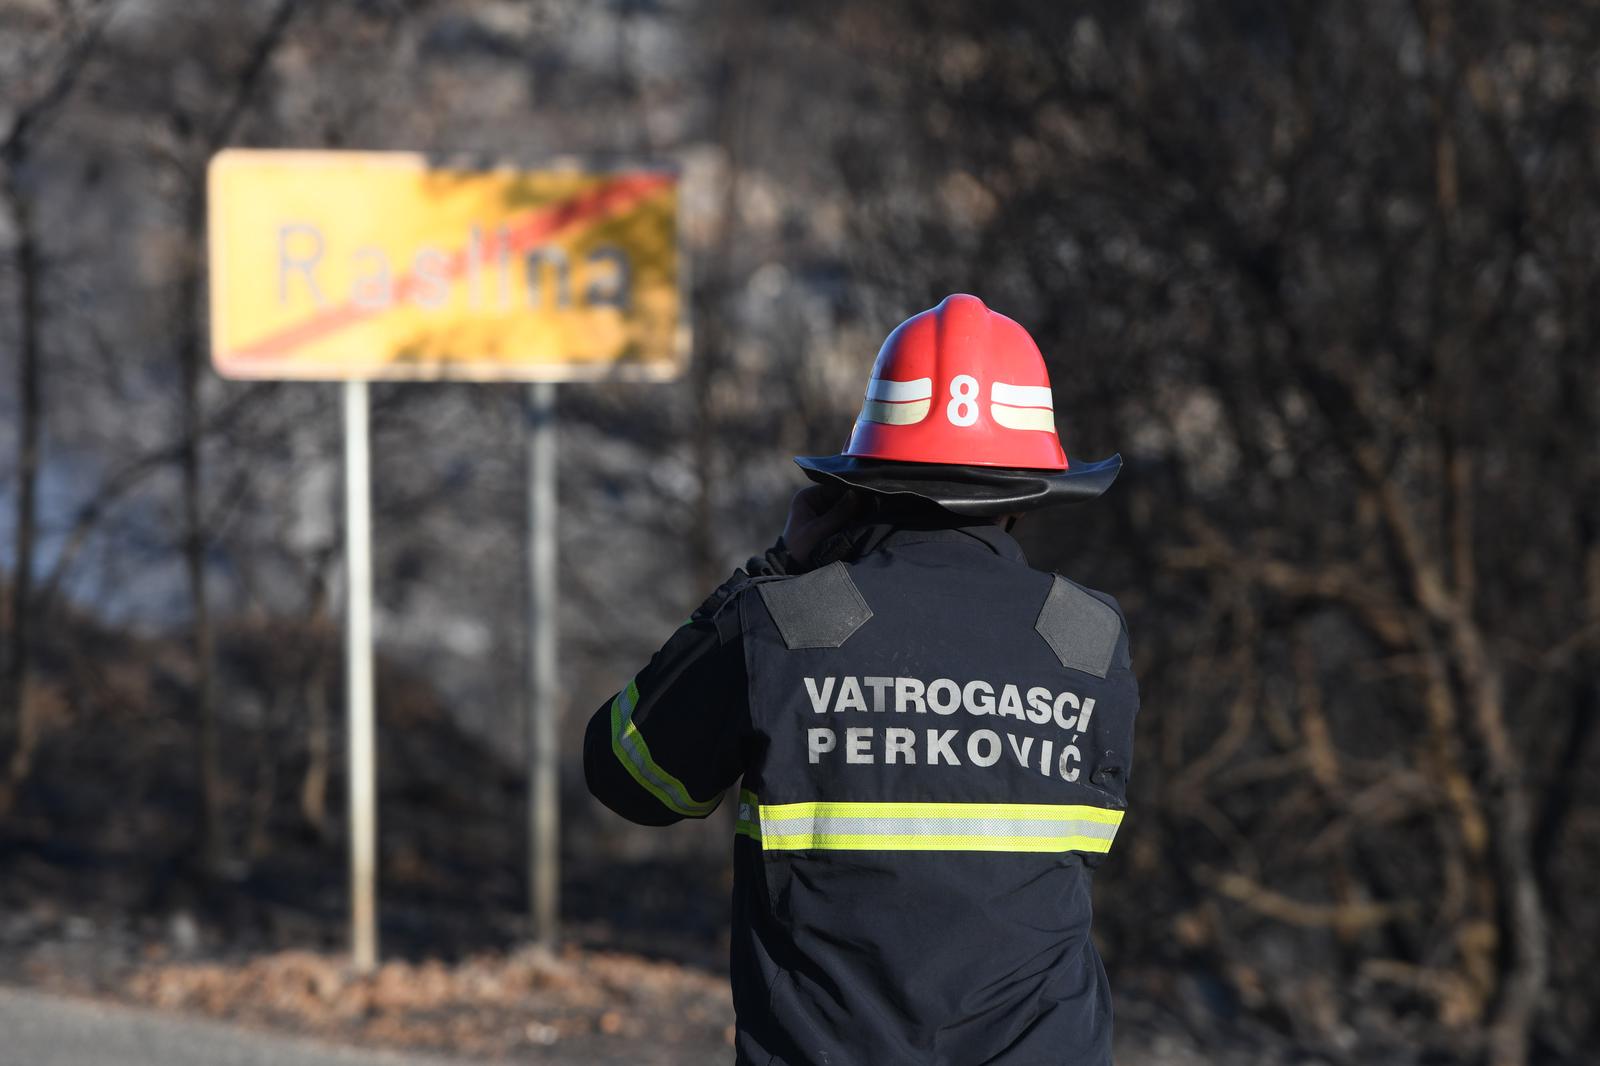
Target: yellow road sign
{"points": [[356, 265]]}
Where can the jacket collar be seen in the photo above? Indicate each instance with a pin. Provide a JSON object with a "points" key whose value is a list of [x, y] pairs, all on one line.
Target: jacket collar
{"points": [[856, 541]]}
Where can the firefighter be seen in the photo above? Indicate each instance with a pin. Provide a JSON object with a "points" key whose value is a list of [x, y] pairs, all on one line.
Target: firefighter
{"points": [[931, 739]]}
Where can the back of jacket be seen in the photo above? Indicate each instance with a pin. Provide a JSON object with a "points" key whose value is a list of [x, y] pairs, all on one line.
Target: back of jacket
{"points": [[940, 739]]}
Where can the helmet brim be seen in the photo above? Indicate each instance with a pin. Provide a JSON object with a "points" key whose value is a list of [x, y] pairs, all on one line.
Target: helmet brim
{"points": [[970, 490]]}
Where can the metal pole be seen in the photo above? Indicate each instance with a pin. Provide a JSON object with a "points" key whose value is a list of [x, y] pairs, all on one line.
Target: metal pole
{"points": [[358, 679], [544, 815]]}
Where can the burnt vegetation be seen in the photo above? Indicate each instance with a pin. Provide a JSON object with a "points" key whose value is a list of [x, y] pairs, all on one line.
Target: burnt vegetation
{"points": [[1325, 274]]}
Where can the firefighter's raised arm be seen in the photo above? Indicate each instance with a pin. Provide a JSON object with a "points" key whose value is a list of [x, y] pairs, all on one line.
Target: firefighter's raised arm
{"points": [[667, 745], [671, 741]]}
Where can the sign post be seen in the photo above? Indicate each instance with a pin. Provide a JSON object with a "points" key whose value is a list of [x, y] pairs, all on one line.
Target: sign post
{"points": [[358, 681], [544, 777], [355, 266]]}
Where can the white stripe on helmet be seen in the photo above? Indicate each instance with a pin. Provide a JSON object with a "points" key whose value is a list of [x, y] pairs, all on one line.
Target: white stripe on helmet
{"points": [[1021, 395], [899, 391]]}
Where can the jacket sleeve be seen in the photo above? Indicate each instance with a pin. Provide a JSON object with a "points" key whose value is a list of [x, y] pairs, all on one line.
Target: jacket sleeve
{"points": [[672, 741]]}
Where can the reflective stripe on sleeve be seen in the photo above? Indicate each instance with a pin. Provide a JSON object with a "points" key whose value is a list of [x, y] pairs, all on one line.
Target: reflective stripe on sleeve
{"points": [[1018, 827], [634, 754], [749, 823]]}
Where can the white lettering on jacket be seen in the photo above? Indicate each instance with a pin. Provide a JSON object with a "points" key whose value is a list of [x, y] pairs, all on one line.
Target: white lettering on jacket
{"points": [[907, 695]]}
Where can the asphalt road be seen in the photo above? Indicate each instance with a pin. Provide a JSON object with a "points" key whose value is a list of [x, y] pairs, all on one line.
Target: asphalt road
{"points": [[42, 1030]]}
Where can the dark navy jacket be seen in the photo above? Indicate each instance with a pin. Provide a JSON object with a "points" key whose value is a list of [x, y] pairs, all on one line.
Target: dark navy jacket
{"points": [[934, 743]]}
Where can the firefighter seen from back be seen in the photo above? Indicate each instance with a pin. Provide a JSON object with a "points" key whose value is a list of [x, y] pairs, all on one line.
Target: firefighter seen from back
{"points": [[930, 739]]}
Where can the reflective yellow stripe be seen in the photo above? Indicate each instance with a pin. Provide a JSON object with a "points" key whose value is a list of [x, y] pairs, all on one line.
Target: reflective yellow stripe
{"points": [[749, 823], [894, 414], [1016, 827], [1040, 418], [634, 754]]}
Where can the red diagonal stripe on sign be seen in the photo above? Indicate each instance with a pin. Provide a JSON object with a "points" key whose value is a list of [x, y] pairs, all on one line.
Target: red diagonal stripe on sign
{"points": [[522, 234]]}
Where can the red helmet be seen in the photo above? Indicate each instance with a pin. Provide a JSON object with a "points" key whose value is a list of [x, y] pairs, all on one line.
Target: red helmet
{"points": [[958, 410]]}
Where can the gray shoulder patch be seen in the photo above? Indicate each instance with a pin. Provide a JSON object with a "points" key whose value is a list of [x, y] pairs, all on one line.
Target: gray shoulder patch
{"points": [[816, 610], [1080, 629]]}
